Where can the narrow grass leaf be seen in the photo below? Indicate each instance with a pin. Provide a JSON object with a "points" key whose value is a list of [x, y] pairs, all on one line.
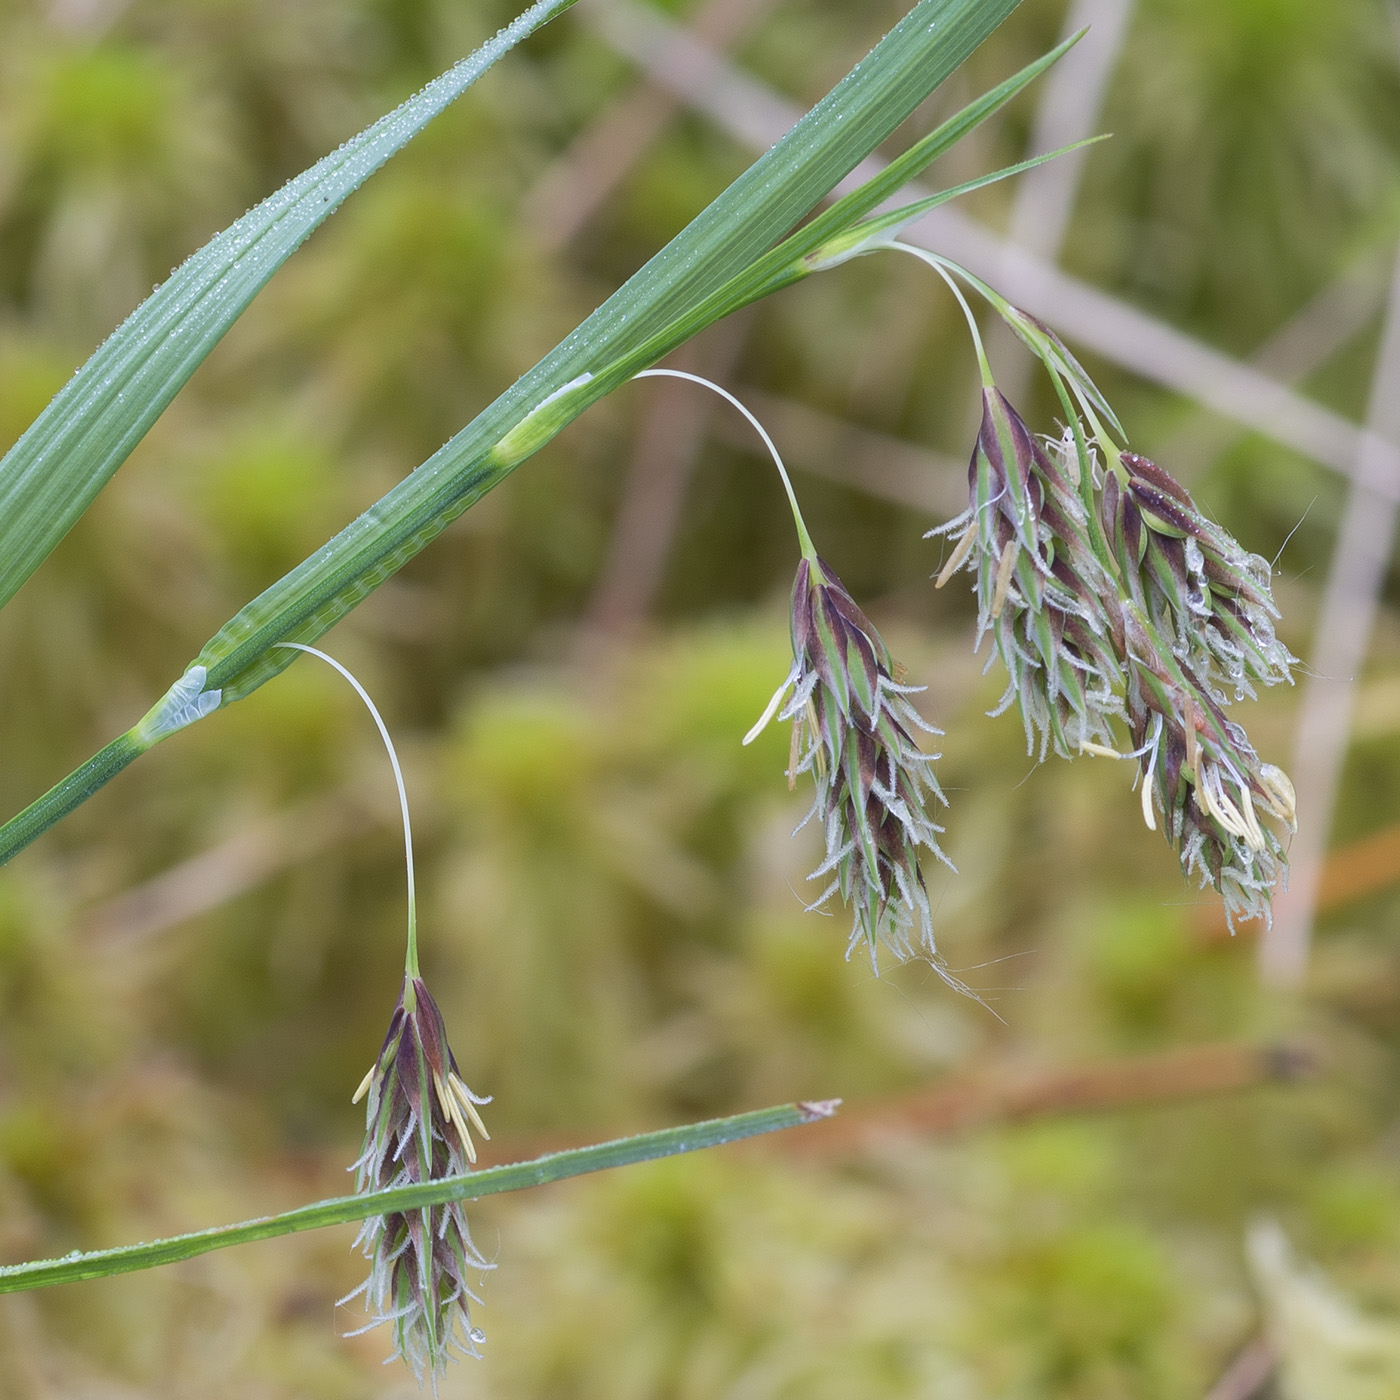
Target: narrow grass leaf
{"points": [[54, 472], [622, 336], [517, 1176]]}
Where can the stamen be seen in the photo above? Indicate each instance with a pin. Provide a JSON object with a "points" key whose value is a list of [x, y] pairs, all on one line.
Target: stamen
{"points": [[772, 708], [1101, 751], [464, 1133], [1254, 835], [365, 1083], [464, 1096], [1220, 806], [1281, 797], [443, 1098], [969, 538]]}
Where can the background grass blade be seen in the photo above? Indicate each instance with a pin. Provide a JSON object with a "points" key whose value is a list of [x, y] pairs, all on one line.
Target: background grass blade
{"points": [[53, 473], [516, 1176]]}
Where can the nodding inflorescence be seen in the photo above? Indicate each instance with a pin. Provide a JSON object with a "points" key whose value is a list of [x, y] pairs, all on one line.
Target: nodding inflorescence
{"points": [[853, 730], [1114, 602], [419, 1119]]}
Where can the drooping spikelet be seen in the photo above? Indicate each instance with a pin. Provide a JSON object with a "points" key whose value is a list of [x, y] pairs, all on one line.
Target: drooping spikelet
{"points": [[1111, 597], [419, 1116], [1207, 596], [853, 728], [1199, 620], [1042, 592]]}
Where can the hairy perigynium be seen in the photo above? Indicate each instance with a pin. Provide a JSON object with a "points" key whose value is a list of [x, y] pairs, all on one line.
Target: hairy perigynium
{"points": [[1111, 598], [419, 1117], [853, 730]]}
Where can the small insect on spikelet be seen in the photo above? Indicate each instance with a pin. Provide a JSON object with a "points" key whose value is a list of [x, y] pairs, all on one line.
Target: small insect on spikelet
{"points": [[852, 729], [419, 1120], [419, 1117]]}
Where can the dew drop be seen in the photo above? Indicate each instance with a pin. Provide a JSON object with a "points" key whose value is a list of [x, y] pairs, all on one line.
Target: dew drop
{"points": [[478, 1336]]}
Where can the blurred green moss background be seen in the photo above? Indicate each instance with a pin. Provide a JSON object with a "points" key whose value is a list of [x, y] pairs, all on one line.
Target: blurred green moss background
{"points": [[196, 968]]}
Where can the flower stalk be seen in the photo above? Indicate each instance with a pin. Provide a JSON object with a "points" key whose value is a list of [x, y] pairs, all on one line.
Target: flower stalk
{"points": [[419, 1118]]}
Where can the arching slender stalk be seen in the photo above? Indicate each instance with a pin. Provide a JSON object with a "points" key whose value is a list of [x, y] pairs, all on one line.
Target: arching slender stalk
{"points": [[937, 264], [803, 538], [411, 955]]}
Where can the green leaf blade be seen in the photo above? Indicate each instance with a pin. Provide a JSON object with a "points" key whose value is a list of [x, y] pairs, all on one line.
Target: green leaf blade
{"points": [[340, 1210], [639, 323], [53, 473]]}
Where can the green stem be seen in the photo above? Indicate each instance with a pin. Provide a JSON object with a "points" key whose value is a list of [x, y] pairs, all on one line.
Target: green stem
{"points": [[340, 1210], [71, 792], [411, 956], [804, 540], [941, 267]]}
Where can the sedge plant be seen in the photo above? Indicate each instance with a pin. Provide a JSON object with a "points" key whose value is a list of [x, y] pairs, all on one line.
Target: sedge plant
{"points": [[1121, 614]]}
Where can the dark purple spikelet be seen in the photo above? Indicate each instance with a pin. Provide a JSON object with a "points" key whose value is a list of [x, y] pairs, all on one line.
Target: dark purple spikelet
{"points": [[1206, 594], [853, 730], [419, 1116], [1110, 597], [1041, 589], [1199, 770]]}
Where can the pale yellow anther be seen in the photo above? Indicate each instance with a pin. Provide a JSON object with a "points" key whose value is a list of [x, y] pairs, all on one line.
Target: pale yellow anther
{"points": [[1216, 804], [1147, 815], [465, 1133], [1254, 835], [465, 1099], [1004, 569], [1278, 787], [1204, 800], [462, 1132], [364, 1084], [969, 537], [769, 711], [448, 1100], [1229, 814], [1099, 750]]}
